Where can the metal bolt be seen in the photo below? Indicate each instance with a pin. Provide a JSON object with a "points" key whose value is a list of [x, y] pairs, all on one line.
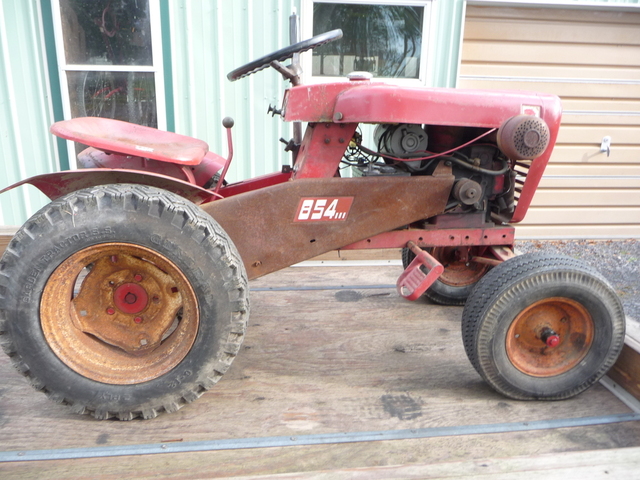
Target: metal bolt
{"points": [[138, 319], [111, 311], [83, 313], [143, 341], [156, 299], [137, 277]]}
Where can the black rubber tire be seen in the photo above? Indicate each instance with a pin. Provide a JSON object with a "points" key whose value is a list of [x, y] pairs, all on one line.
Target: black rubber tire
{"points": [[507, 290], [440, 292], [141, 216]]}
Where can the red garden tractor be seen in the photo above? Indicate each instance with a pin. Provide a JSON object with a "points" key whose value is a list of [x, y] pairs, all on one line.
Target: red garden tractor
{"points": [[128, 295]]}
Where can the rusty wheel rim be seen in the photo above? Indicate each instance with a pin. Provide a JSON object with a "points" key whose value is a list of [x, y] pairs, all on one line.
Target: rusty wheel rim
{"points": [[550, 337], [119, 313], [458, 273]]}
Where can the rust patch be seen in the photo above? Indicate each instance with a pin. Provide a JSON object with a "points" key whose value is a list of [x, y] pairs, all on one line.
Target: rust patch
{"points": [[263, 228]]}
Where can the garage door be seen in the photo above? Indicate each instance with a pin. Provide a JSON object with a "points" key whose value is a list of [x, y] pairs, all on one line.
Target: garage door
{"points": [[591, 59]]}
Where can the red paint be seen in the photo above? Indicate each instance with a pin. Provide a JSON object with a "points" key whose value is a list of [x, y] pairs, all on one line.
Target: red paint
{"points": [[111, 135], [323, 209], [130, 298], [414, 281], [438, 238], [553, 341]]}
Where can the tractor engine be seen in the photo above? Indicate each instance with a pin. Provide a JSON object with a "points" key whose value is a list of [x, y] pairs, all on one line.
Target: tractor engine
{"points": [[484, 182]]}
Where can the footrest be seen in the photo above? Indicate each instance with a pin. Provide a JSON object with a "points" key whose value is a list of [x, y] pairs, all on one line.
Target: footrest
{"points": [[419, 275]]}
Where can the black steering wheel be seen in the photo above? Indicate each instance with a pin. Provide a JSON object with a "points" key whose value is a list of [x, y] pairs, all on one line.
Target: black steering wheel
{"points": [[284, 53]]}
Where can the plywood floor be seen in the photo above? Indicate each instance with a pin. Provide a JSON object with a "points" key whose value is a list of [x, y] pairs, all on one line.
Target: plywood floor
{"points": [[321, 361]]}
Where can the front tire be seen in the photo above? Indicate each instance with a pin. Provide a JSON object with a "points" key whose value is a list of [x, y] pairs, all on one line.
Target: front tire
{"points": [[541, 327], [122, 300], [457, 281]]}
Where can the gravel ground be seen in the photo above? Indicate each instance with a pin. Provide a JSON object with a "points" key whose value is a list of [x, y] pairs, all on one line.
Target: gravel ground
{"points": [[617, 260]]}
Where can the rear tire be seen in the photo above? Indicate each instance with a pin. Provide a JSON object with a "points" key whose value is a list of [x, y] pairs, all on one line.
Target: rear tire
{"points": [[543, 327], [122, 301]]}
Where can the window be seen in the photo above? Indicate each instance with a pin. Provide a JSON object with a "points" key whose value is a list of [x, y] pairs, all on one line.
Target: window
{"points": [[384, 37], [110, 60]]}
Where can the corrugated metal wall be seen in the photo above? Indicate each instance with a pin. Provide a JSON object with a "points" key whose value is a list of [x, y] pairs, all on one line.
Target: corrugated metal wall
{"points": [[591, 59], [209, 39], [26, 147]]}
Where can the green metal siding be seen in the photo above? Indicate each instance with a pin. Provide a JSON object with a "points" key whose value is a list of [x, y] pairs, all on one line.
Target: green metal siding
{"points": [[211, 38], [26, 147]]}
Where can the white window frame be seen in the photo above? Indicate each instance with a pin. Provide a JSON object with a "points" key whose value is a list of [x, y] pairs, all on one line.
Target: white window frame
{"points": [[306, 17], [157, 68]]}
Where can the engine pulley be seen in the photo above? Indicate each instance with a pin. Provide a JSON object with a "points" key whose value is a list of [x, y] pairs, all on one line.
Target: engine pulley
{"points": [[467, 191], [523, 137]]}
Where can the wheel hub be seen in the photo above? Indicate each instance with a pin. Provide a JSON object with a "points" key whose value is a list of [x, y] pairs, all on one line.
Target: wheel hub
{"points": [[550, 337], [132, 317], [458, 270], [130, 298]]}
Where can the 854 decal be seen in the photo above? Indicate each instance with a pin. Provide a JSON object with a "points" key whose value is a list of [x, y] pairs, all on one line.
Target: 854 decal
{"points": [[323, 209]]}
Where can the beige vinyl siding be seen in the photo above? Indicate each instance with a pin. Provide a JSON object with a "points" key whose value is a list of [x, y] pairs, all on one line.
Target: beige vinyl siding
{"points": [[591, 59]]}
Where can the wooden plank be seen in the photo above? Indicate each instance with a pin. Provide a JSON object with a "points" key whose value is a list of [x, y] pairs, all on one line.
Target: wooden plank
{"points": [[575, 103], [586, 198], [580, 181], [621, 463], [591, 154], [359, 255], [593, 134], [585, 215], [626, 371], [593, 170], [607, 118], [548, 13], [442, 456], [582, 73], [322, 361], [549, 53], [525, 231], [562, 89], [6, 233], [557, 30]]}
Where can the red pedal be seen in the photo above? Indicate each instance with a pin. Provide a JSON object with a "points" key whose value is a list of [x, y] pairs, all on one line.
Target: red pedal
{"points": [[414, 281]]}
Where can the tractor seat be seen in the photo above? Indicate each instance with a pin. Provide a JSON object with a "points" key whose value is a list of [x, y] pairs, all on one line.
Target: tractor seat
{"points": [[115, 136]]}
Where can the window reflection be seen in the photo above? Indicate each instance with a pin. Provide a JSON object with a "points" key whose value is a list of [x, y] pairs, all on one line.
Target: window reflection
{"points": [[106, 32], [382, 39], [128, 96]]}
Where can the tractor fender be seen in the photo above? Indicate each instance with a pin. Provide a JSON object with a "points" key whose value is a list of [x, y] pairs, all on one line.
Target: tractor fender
{"points": [[55, 185]]}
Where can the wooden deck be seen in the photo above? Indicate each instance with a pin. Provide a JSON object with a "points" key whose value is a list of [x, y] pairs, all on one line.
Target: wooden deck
{"points": [[325, 355]]}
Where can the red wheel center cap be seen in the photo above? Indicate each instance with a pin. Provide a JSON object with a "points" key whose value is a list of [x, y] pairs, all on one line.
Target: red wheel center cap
{"points": [[130, 298], [553, 341]]}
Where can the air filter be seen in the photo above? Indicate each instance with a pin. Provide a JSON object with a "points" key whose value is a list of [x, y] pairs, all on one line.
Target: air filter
{"points": [[523, 137]]}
